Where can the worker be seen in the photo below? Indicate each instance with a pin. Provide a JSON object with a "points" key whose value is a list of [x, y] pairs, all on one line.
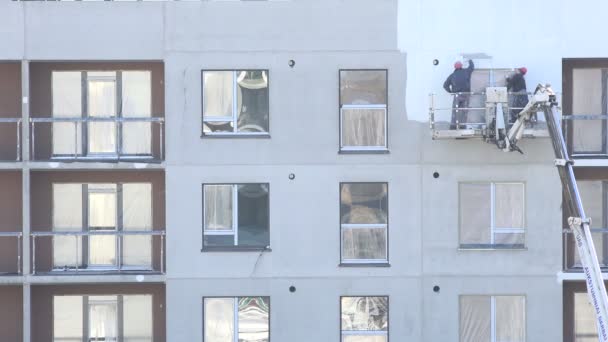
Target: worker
{"points": [[518, 95], [459, 84]]}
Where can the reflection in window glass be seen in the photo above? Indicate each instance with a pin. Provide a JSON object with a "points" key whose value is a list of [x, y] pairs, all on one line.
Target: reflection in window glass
{"points": [[363, 109], [236, 215], [232, 319], [235, 102], [492, 215], [364, 222], [364, 318]]}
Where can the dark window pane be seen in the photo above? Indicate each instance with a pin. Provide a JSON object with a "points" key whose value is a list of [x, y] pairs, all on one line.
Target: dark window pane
{"points": [[362, 87], [253, 215], [219, 127], [252, 101], [219, 240], [364, 203]]}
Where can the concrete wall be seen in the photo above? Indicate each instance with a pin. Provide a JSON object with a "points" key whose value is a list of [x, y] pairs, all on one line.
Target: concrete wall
{"points": [[322, 37]]}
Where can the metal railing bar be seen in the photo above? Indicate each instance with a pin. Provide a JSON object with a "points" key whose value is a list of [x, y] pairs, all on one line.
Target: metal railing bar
{"points": [[89, 233], [99, 119]]}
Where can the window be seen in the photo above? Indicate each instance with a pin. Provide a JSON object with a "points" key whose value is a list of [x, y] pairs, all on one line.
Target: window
{"points": [[593, 195], [589, 97], [236, 319], [492, 215], [116, 318], [102, 208], [364, 319], [235, 102], [236, 216], [363, 110], [584, 319], [492, 319], [109, 97], [364, 222]]}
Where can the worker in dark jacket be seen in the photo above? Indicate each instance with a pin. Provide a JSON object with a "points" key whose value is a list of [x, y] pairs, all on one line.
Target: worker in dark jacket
{"points": [[518, 95], [459, 84]]}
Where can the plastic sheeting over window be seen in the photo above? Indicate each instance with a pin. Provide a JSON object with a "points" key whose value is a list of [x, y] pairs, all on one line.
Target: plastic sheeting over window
{"points": [[235, 101], [364, 222], [589, 97], [136, 103], [236, 215], [109, 95], [363, 109], [364, 319], [492, 215], [102, 318], [102, 214], [492, 318], [239, 319], [67, 103]]}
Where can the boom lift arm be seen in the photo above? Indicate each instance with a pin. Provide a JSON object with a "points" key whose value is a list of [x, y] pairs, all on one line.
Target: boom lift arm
{"points": [[544, 100]]}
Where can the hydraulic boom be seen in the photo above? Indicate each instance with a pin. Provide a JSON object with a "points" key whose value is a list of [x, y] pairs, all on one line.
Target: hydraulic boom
{"points": [[544, 100]]}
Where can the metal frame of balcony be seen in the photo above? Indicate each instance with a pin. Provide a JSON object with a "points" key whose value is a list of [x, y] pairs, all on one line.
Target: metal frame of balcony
{"points": [[118, 156], [119, 267]]}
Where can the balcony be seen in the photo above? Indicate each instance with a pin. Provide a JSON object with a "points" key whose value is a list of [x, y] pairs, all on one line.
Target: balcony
{"points": [[98, 312], [103, 112], [99, 252], [97, 222]]}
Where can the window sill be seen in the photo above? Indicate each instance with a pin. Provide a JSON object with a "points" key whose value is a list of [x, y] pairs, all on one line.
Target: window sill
{"points": [[493, 248], [235, 249], [378, 151], [235, 136], [365, 264]]}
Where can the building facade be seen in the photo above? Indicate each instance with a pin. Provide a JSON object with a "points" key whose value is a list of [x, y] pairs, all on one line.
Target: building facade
{"points": [[264, 170]]}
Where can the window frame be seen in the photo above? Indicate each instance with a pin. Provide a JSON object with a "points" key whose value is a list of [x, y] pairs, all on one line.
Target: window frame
{"points": [[86, 330], [366, 332], [235, 222], [82, 149], [234, 117], [364, 262], [493, 313], [491, 245], [363, 149], [83, 256], [236, 313]]}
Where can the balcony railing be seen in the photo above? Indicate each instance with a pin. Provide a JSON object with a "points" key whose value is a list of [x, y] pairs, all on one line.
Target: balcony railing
{"points": [[81, 249], [587, 135], [464, 115], [148, 147], [11, 246], [7, 131]]}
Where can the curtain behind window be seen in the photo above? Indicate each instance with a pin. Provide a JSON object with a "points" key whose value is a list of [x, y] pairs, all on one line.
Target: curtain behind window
{"points": [[475, 313], [101, 97], [67, 318], [103, 318], [363, 127], [137, 318], [218, 207], [219, 319]]}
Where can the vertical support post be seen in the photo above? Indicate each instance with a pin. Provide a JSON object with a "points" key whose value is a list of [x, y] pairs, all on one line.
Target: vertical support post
{"points": [[161, 143], [18, 157], [162, 254], [19, 269], [25, 196]]}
